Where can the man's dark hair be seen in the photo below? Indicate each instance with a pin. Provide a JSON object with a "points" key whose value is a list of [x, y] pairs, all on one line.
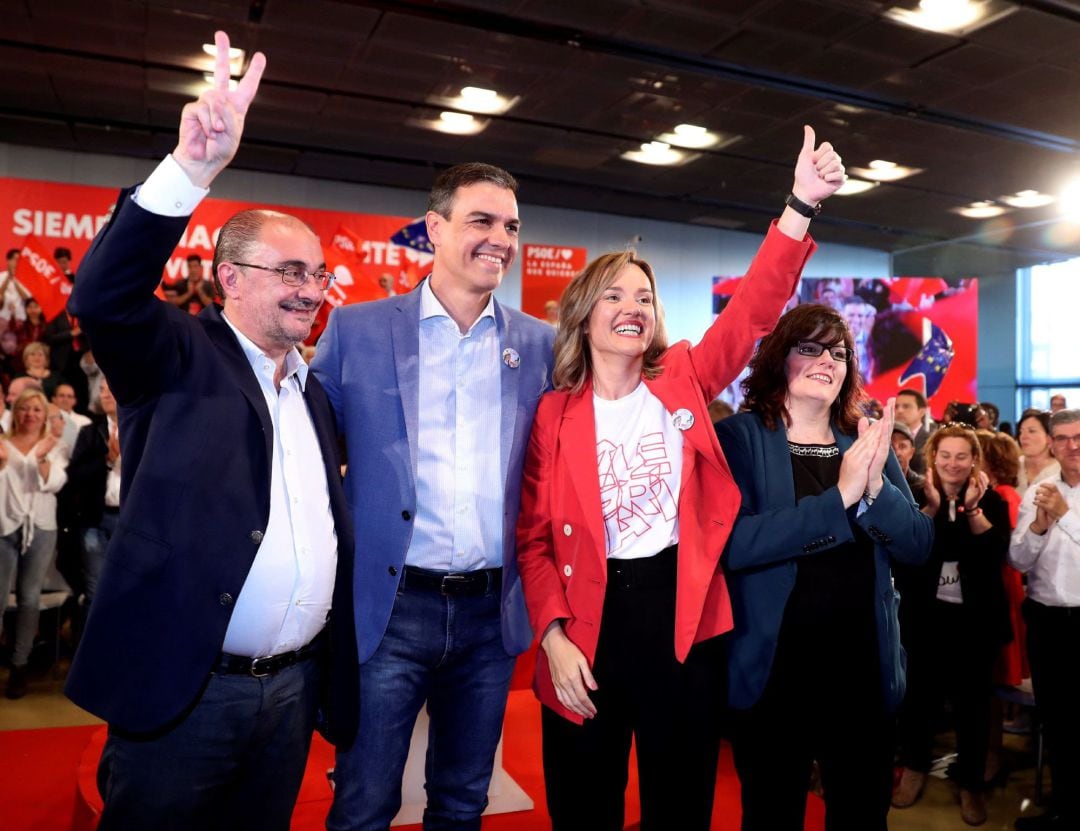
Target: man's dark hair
{"points": [[61, 252], [193, 258], [11, 252], [441, 199], [920, 399]]}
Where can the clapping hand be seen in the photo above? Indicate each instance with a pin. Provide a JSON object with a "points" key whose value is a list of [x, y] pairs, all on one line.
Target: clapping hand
{"points": [[210, 127]]}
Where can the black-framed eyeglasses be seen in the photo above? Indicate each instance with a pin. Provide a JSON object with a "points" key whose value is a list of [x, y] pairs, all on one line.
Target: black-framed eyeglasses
{"points": [[292, 275], [811, 349]]}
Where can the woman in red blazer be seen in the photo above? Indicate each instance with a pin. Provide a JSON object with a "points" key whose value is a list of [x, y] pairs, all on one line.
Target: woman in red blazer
{"points": [[626, 504]]}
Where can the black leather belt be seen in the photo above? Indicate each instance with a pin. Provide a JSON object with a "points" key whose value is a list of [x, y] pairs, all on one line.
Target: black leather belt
{"points": [[654, 572], [1060, 612], [258, 667], [453, 583]]}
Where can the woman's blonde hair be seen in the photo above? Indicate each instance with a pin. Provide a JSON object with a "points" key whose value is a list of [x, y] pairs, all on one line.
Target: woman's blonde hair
{"points": [[573, 363], [35, 346], [25, 395]]}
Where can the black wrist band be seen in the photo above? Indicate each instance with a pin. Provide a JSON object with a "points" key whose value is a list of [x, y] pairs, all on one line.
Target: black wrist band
{"points": [[800, 207]]}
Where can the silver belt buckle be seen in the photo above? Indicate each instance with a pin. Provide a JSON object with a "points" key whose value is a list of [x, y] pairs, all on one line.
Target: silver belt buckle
{"points": [[449, 580], [256, 667]]}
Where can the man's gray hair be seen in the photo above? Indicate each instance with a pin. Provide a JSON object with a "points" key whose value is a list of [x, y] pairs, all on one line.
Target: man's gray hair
{"points": [[1063, 417]]}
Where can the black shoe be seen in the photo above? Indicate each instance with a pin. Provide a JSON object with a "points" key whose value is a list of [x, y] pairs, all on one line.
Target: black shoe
{"points": [[17, 682]]}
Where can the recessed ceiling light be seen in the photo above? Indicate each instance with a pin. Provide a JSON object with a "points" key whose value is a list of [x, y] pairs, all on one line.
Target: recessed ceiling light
{"points": [[658, 153], [454, 123], [1070, 201], [981, 210], [209, 78], [475, 100], [953, 17], [853, 186], [1027, 199], [881, 170], [689, 135]]}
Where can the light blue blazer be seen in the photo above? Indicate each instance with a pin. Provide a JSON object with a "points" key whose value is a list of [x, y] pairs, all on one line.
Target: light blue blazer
{"points": [[773, 531], [368, 361]]}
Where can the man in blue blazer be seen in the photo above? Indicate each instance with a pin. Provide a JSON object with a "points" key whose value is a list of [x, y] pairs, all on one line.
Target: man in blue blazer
{"points": [[204, 647], [435, 393]]}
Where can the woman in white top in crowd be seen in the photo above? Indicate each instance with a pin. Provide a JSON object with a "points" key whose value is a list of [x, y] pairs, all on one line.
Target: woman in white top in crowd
{"points": [[1038, 464], [32, 470]]}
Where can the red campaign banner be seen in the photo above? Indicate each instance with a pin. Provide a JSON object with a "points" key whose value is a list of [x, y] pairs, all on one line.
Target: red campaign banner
{"points": [[917, 333], [545, 271], [42, 277], [357, 246]]}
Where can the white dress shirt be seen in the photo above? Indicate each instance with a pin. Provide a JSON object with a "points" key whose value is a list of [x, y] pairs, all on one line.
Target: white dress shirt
{"points": [[286, 597], [1050, 561], [459, 487]]}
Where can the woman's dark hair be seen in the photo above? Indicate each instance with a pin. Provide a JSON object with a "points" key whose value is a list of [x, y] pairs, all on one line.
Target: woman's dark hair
{"points": [[1041, 416], [766, 386]]}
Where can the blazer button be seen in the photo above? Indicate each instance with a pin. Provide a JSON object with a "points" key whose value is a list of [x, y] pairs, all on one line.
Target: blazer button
{"points": [[256, 536], [393, 571], [405, 515], [567, 570], [225, 599], [567, 530]]}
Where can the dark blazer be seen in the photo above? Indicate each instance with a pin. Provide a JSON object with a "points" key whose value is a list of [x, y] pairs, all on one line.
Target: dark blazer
{"points": [[195, 438], [773, 531], [88, 471]]}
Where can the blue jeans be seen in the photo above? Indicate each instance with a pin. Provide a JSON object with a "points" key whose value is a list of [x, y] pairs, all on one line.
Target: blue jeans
{"points": [[94, 543], [449, 652], [234, 761], [31, 568]]}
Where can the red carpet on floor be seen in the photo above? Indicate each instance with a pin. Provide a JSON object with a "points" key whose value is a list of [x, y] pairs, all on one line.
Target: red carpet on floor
{"points": [[47, 780]]}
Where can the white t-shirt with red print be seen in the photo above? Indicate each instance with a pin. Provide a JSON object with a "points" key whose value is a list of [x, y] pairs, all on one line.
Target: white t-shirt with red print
{"points": [[639, 459]]}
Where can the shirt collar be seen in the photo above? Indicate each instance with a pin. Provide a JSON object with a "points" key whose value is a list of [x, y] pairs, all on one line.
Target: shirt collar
{"points": [[431, 307], [294, 363]]}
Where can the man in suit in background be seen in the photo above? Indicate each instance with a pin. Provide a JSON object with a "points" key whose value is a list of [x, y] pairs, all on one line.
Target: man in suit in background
{"points": [[435, 391], [203, 649]]}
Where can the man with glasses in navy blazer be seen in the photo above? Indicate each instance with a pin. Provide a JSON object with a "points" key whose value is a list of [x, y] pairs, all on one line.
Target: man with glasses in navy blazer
{"points": [[204, 646], [435, 392]]}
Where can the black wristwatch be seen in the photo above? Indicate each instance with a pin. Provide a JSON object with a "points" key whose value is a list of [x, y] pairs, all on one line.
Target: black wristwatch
{"points": [[800, 207]]}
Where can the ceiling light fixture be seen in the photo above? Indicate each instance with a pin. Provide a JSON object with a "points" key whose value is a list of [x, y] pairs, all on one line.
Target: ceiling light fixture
{"points": [[981, 210], [854, 186], [881, 170], [209, 78], [1027, 199], [479, 100], [453, 123], [1070, 201], [951, 17], [658, 153], [691, 136]]}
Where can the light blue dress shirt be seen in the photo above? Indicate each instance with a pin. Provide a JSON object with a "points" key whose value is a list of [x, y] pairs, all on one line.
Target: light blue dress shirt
{"points": [[459, 482]]}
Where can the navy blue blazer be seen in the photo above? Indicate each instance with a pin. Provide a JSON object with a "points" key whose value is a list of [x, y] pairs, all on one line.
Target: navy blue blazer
{"points": [[773, 531], [195, 440], [368, 360]]}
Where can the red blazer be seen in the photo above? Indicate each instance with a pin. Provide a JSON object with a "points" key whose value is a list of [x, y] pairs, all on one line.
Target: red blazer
{"points": [[561, 546]]}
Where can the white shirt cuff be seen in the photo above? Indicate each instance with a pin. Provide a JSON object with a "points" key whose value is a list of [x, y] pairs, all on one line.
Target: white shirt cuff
{"points": [[168, 191]]}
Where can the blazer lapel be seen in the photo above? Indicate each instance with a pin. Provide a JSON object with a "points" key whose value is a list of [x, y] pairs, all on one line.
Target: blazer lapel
{"points": [[236, 361], [577, 453], [509, 383], [405, 335]]}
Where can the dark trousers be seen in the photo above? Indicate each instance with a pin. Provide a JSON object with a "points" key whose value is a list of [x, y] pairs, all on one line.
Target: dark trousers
{"points": [[1053, 639], [671, 710], [235, 761], [947, 660], [822, 702]]}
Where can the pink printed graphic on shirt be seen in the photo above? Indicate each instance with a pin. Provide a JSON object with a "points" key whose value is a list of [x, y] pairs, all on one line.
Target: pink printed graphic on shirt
{"points": [[634, 492]]}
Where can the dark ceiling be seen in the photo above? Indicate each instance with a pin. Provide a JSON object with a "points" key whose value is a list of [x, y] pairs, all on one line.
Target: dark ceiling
{"points": [[984, 115]]}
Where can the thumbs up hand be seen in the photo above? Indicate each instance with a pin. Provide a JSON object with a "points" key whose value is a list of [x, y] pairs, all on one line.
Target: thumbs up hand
{"points": [[819, 172]]}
